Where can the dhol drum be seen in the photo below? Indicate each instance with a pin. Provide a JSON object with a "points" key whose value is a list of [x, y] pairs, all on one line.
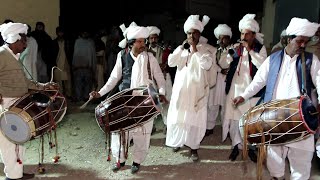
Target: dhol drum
{"points": [[34, 114], [279, 121], [128, 109]]}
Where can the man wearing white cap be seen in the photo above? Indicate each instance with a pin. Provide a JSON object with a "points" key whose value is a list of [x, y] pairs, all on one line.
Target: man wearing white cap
{"points": [[250, 54], [217, 95], [14, 84], [281, 74], [187, 114], [133, 71], [157, 51], [282, 43]]}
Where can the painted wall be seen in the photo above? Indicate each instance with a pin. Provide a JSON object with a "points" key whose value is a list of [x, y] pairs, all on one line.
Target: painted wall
{"points": [[31, 11]]}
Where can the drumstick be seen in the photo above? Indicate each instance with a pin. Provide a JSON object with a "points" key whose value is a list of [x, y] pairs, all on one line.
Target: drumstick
{"points": [[85, 104], [313, 113]]}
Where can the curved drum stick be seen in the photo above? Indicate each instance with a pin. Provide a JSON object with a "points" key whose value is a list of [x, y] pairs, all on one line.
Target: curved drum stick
{"points": [[85, 104]]}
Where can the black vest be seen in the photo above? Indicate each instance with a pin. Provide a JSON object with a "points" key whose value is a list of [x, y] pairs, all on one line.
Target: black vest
{"points": [[127, 63], [234, 65]]}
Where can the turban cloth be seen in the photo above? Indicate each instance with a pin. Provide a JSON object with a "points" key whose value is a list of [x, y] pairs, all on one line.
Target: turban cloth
{"points": [[193, 22], [283, 33], [301, 27], [10, 31], [136, 32], [222, 29], [153, 30], [248, 22], [123, 28]]}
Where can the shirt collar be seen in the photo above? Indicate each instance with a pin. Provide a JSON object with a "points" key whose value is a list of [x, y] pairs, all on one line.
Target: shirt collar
{"points": [[16, 56]]}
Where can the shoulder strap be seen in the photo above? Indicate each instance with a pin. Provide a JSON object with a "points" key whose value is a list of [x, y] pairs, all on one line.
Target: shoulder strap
{"points": [[149, 68], [303, 74]]}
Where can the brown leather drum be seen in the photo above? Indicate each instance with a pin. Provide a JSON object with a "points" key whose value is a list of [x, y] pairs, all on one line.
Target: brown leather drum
{"points": [[128, 109], [33, 115], [280, 121]]}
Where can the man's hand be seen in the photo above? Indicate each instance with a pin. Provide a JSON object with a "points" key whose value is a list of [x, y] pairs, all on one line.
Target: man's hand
{"points": [[237, 100], [51, 86], [163, 99], [94, 94], [246, 45], [224, 71]]}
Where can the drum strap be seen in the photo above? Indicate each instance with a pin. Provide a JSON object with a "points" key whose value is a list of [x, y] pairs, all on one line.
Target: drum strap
{"points": [[303, 74], [149, 69]]}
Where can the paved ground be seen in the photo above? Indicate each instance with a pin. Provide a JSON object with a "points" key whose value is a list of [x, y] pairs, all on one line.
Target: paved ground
{"points": [[81, 145]]}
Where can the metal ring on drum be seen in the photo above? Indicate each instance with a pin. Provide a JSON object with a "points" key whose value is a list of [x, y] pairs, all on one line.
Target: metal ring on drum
{"points": [[279, 121], [40, 99]]}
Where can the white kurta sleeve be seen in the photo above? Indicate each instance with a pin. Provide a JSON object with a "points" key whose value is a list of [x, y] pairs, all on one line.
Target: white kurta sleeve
{"points": [[318, 148], [114, 78], [158, 75], [177, 58], [315, 74], [259, 80], [258, 58]]}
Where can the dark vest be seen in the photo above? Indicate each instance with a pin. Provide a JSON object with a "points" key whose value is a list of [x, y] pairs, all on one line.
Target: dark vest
{"points": [[127, 63], [234, 65], [274, 68]]}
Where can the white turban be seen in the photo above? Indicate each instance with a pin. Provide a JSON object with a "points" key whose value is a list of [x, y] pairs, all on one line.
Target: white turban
{"points": [[283, 33], [10, 31], [123, 28], [193, 22], [301, 27], [136, 32], [153, 30], [222, 29], [248, 22]]}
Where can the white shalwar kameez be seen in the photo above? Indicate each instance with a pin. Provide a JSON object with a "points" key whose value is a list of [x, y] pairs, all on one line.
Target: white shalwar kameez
{"points": [[240, 81], [299, 153], [217, 94], [187, 115], [139, 77]]}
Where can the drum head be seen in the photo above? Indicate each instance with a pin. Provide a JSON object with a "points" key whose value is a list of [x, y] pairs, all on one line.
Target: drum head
{"points": [[309, 112], [14, 128], [155, 97]]}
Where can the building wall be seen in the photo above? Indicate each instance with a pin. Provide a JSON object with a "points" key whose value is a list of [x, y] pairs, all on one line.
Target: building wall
{"points": [[287, 9], [215, 9], [31, 11], [268, 23]]}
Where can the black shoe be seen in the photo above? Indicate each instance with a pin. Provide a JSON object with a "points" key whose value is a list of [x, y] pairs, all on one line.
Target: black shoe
{"points": [[275, 178], [117, 167], [154, 129], [208, 132], [234, 154], [164, 130], [194, 155], [25, 176], [176, 149], [135, 168], [252, 155]]}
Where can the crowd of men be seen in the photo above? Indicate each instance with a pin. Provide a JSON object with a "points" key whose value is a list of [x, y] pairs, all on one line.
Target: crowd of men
{"points": [[229, 80]]}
